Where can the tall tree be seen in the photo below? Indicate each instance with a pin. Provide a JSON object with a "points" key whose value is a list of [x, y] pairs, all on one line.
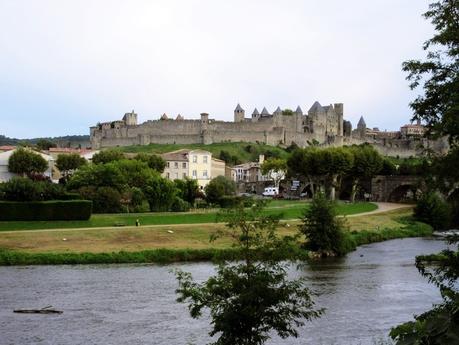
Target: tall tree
{"points": [[367, 163], [68, 163], [155, 162], [275, 169], [107, 156], [26, 163], [439, 107], [438, 74], [334, 163], [252, 298]]}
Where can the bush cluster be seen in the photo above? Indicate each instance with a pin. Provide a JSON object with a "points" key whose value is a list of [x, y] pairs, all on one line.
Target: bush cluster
{"points": [[45, 210]]}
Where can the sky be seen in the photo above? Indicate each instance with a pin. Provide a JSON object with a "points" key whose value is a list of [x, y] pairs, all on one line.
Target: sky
{"points": [[66, 65]]}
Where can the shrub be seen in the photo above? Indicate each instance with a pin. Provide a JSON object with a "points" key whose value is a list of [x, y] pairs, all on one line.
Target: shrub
{"points": [[154, 162], [180, 205], [322, 228], [188, 189], [431, 209], [45, 210], [24, 189], [105, 199], [218, 188]]}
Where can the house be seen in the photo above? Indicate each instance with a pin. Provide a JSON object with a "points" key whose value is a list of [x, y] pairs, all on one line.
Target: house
{"points": [[194, 164], [85, 153], [249, 172], [5, 175]]}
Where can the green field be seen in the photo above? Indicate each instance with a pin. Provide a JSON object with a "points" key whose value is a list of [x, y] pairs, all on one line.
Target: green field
{"points": [[238, 149], [287, 209]]}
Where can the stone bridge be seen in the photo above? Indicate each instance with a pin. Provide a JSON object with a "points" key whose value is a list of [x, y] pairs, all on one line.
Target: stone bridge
{"points": [[395, 188]]}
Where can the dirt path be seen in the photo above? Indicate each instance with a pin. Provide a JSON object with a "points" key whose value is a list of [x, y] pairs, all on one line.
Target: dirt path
{"points": [[382, 207]]}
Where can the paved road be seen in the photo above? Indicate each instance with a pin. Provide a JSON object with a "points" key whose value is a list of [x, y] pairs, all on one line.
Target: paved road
{"points": [[382, 207]]}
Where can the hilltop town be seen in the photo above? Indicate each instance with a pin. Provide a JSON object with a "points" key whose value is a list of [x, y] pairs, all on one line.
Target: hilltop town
{"points": [[320, 125]]}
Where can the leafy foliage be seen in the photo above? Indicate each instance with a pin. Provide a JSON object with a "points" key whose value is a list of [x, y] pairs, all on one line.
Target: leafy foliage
{"points": [[249, 300], [439, 325], [431, 209], [188, 189], [155, 162], [219, 187], [275, 169], [26, 162], [45, 144], [439, 73], [160, 193], [107, 156], [321, 227], [68, 163], [24, 189]]}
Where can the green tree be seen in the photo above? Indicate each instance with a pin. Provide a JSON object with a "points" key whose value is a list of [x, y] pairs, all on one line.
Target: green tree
{"points": [[438, 74], [98, 175], [334, 163], [305, 163], [45, 144], [160, 193], [275, 169], [69, 163], [250, 299], [107, 156], [367, 163], [135, 173], [219, 187], [431, 209], [155, 162], [323, 230], [26, 163], [188, 189], [439, 107]]}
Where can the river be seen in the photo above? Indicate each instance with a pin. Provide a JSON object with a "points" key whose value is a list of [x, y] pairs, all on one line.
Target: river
{"points": [[365, 294]]}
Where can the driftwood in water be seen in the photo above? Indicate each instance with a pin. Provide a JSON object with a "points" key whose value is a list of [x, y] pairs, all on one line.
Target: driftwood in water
{"points": [[45, 310]]}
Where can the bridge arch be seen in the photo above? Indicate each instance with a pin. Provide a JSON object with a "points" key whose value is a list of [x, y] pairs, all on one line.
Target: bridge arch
{"points": [[404, 193]]}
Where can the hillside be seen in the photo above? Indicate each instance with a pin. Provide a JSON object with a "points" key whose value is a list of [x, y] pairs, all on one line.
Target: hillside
{"points": [[244, 152], [64, 141]]}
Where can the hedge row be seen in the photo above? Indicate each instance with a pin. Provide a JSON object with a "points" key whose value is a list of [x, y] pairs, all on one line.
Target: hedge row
{"points": [[46, 210]]}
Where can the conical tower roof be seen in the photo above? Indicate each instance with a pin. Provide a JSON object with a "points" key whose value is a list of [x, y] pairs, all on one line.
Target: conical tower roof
{"points": [[278, 111], [238, 108], [164, 117], [265, 112], [316, 107], [179, 117], [255, 112], [299, 110], [361, 122]]}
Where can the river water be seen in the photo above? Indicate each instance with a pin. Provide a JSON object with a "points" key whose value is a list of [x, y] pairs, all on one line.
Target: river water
{"points": [[365, 294]]}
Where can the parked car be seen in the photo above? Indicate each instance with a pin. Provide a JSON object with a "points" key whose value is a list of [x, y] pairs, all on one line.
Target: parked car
{"points": [[271, 191]]}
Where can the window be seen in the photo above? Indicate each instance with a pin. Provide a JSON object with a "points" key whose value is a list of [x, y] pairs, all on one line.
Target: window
{"points": [[176, 165], [183, 165], [204, 159], [167, 165], [195, 159], [195, 174], [167, 175], [204, 173]]}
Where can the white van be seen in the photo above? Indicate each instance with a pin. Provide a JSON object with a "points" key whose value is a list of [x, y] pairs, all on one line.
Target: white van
{"points": [[271, 191]]}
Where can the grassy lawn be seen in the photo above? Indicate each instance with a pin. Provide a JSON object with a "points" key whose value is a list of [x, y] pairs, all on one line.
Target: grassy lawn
{"points": [[235, 149], [187, 236], [288, 210]]}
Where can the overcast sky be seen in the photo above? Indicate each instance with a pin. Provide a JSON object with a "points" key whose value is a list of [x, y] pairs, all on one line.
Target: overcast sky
{"points": [[66, 65]]}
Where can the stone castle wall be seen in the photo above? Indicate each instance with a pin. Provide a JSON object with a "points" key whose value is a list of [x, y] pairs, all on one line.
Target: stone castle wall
{"points": [[324, 125]]}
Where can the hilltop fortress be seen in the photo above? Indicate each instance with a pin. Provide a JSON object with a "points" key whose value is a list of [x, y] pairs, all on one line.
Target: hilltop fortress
{"points": [[323, 125]]}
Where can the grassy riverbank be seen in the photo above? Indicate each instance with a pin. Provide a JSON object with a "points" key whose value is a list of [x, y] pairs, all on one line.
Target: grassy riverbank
{"points": [[160, 246], [288, 210]]}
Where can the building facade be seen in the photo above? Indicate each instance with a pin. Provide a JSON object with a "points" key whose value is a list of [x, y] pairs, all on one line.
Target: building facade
{"points": [[193, 164]]}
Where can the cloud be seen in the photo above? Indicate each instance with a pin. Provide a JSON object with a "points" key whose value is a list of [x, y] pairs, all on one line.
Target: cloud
{"points": [[65, 65]]}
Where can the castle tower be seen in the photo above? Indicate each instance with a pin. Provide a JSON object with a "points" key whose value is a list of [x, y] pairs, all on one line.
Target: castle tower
{"points": [[239, 114], [255, 115], [362, 127], [339, 111], [299, 119], [130, 119]]}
